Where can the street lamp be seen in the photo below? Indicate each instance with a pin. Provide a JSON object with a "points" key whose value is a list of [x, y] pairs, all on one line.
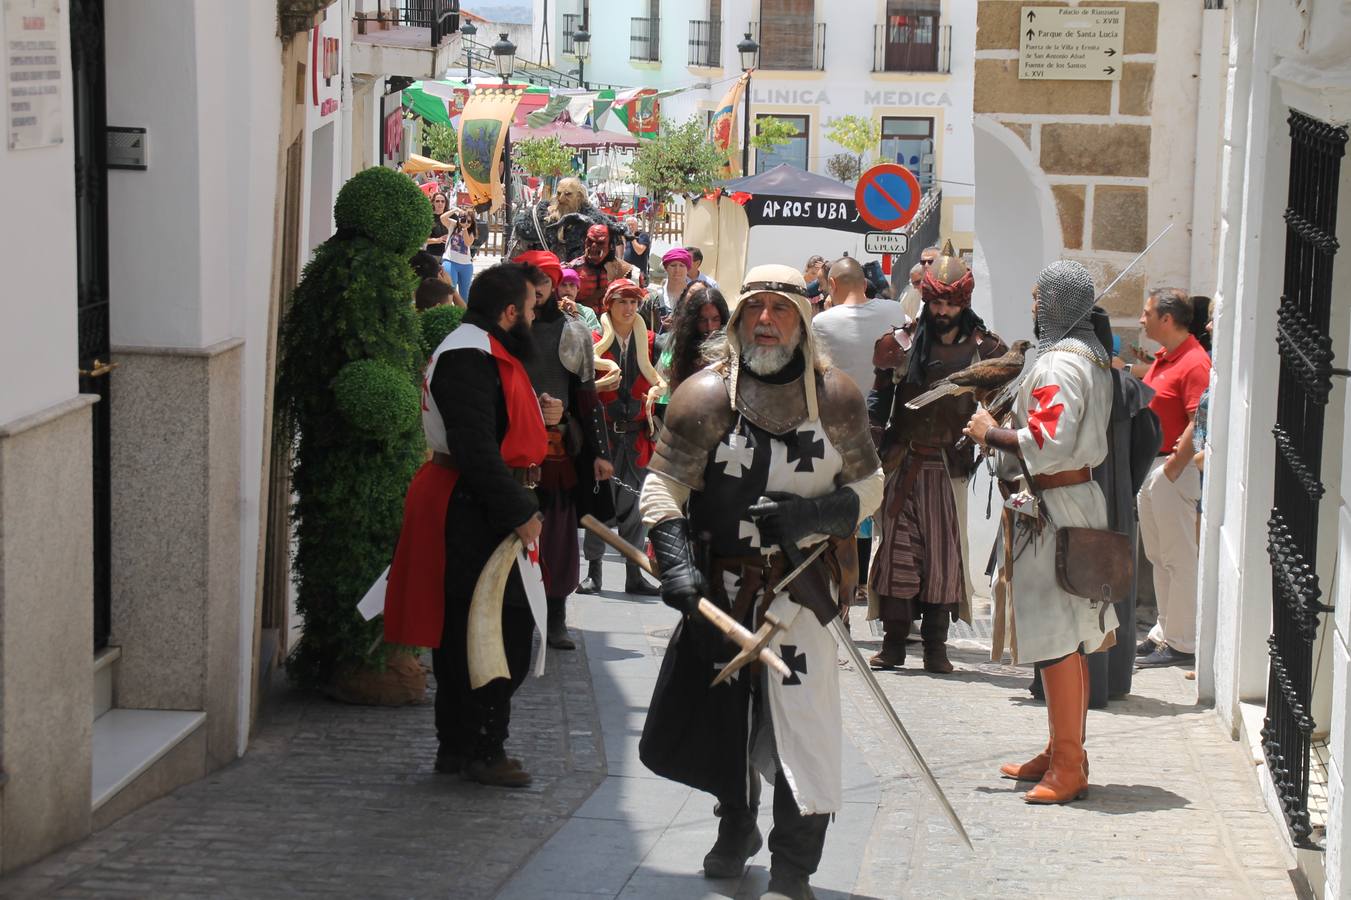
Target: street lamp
{"points": [[504, 51], [468, 31], [749, 51], [581, 48]]}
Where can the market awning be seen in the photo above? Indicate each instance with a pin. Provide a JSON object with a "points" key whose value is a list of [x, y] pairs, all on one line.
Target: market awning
{"points": [[577, 136], [416, 164]]}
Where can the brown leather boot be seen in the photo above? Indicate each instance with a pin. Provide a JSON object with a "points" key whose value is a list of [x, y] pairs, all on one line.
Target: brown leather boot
{"points": [[1035, 768], [892, 654], [1066, 702], [933, 629]]}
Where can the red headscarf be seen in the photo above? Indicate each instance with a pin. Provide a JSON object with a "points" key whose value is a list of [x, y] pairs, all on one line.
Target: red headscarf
{"points": [[544, 261], [617, 287], [949, 280]]}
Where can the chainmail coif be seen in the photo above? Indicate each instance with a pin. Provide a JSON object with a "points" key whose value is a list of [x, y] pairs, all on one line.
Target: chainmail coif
{"points": [[1064, 311]]}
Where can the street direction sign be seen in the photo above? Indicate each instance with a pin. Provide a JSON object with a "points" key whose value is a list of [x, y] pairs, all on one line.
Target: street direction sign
{"points": [[1071, 43], [886, 242], [887, 196]]}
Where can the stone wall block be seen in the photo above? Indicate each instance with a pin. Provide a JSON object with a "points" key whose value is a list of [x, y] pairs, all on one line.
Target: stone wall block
{"points": [[1127, 299], [1142, 26], [998, 21], [1069, 202], [1137, 89], [1023, 130], [1112, 150], [1000, 90], [1120, 218]]}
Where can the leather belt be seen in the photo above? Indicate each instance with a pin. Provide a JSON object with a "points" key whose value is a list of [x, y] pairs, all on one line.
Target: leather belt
{"points": [[925, 451], [1063, 479], [620, 427], [527, 477]]}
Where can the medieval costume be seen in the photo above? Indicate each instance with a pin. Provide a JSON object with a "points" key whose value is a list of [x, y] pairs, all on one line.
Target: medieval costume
{"points": [[563, 367], [764, 455], [628, 384], [1058, 433], [483, 425], [919, 570], [559, 225], [599, 266]]}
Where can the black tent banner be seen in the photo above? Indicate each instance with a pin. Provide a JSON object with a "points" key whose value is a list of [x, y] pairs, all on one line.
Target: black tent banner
{"points": [[788, 196]]}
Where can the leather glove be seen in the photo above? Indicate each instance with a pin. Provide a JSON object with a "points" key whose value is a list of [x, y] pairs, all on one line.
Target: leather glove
{"points": [[682, 584], [784, 519]]}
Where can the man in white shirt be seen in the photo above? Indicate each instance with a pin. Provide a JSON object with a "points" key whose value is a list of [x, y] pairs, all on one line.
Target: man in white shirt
{"points": [[850, 328]]}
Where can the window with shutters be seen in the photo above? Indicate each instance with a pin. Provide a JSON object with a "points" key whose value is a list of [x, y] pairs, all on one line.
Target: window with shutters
{"points": [[910, 40], [789, 35], [794, 153]]}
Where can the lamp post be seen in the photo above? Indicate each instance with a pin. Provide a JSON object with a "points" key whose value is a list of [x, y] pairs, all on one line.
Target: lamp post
{"points": [[504, 52], [581, 48], [468, 31], [749, 51]]}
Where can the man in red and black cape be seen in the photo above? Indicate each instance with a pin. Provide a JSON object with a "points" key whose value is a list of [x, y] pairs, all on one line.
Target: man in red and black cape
{"points": [[487, 431]]}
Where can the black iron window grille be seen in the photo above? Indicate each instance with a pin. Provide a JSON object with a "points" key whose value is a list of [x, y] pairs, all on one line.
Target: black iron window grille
{"points": [[571, 22], [1305, 349], [914, 44], [705, 43], [644, 43]]}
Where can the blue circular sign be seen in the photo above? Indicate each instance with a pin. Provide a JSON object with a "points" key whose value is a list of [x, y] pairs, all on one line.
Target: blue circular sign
{"points": [[887, 196]]}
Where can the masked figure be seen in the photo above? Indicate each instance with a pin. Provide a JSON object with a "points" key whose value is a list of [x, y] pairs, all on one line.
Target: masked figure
{"points": [[600, 265], [1059, 432], [919, 570], [764, 455], [559, 225]]}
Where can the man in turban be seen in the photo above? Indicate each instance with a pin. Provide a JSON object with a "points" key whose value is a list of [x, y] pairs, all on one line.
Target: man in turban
{"points": [[919, 572]]}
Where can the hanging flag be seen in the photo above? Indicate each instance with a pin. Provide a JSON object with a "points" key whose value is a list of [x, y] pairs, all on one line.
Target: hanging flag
{"points": [[552, 110], [722, 131], [483, 131]]}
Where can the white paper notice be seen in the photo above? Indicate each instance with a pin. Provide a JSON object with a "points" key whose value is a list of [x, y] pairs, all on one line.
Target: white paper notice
{"points": [[373, 604], [532, 576], [33, 73]]}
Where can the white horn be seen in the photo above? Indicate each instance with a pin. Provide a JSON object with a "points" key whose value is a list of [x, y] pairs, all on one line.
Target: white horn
{"points": [[487, 655]]}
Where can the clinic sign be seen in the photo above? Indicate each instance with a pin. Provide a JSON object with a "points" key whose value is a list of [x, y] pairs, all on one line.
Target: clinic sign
{"points": [[918, 96]]}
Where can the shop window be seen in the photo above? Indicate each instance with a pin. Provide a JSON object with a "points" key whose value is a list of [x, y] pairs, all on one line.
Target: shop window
{"points": [[909, 141], [794, 153]]}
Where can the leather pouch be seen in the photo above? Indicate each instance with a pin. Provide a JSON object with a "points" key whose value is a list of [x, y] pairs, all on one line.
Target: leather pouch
{"points": [[1094, 563]]}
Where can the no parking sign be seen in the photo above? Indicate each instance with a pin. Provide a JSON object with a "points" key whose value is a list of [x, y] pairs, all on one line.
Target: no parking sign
{"points": [[887, 196]]}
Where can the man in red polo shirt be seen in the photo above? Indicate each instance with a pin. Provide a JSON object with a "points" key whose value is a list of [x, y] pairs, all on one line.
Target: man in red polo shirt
{"points": [[1167, 503]]}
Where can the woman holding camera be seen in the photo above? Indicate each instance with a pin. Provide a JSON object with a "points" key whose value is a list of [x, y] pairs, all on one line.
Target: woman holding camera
{"points": [[460, 235]]}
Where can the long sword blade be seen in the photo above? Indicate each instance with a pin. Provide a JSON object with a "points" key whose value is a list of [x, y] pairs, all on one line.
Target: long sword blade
{"points": [[1130, 265], [801, 567], [843, 638]]}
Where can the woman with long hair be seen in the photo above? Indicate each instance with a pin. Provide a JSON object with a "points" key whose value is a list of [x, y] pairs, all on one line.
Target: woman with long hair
{"points": [[436, 244], [460, 228], [700, 312]]}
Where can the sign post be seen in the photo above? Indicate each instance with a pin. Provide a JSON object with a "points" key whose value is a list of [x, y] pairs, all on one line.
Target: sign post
{"points": [[1081, 43]]}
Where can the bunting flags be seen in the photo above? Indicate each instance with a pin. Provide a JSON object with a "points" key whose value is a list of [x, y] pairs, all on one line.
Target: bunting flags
{"points": [[483, 131], [722, 131]]}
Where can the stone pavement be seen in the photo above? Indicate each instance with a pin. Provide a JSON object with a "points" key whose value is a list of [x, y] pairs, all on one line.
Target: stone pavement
{"points": [[341, 801]]}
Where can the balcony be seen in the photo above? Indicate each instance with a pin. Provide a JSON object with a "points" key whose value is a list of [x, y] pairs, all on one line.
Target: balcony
{"points": [[705, 44], [912, 44], [789, 43], [406, 37], [644, 39]]}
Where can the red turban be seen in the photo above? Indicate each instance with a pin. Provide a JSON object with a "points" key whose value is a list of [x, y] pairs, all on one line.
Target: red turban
{"points": [[947, 279], [545, 261], [617, 287]]}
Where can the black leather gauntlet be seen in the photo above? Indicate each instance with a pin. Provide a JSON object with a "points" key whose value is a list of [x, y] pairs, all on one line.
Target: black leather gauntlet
{"points": [[682, 584], [784, 519]]}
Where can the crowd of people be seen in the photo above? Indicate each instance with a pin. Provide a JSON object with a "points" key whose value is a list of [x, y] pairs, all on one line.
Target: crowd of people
{"points": [[729, 434]]}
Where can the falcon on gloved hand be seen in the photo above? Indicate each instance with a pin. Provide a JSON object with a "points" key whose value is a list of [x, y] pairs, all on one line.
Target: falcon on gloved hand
{"points": [[982, 378]]}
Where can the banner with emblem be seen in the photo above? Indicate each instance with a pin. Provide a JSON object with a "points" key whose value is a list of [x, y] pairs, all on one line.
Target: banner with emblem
{"points": [[722, 128], [483, 131]]}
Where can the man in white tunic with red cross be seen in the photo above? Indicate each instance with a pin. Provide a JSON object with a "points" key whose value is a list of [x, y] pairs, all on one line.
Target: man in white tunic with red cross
{"points": [[1059, 433]]}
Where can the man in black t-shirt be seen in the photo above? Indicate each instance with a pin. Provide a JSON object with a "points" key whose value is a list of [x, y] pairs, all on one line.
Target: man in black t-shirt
{"points": [[637, 249]]}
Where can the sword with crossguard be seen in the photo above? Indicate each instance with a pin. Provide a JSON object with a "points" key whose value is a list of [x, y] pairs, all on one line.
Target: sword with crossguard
{"points": [[799, 561]]}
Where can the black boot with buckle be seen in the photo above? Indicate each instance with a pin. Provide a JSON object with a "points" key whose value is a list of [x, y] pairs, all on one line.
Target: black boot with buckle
{"points": [[591, 583]]}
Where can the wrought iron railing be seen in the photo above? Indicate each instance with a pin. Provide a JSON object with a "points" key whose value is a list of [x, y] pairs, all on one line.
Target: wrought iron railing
{"points": [[645, 39], [789, 44], [1305, 349], [921, 46], [571, 22], [705, 43], [441, 16]]}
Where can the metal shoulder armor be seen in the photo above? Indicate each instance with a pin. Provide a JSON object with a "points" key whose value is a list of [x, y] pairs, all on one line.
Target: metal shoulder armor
{"points": [[844, 416], [575, 349], [697, 417]]}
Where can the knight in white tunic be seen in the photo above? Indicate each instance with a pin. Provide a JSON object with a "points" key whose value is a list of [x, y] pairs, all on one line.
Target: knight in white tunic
{"points": [[763, 455], [1059, 432]]}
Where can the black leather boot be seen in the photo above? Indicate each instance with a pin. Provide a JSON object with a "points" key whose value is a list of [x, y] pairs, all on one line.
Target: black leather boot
{"points": [[591, 583], [795, 846], [934, 630], [635, 583], [892, 654], [738, 840], [557, 635]]}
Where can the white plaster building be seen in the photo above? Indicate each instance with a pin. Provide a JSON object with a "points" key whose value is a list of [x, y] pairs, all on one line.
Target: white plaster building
{"points": [[1273, 651], [907, 65], [138, 499]]}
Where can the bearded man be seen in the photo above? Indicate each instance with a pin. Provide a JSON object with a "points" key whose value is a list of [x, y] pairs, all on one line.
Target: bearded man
{"points": [[486, 428], [764, 455], [628, 385], [919, 571], [600, 266], [1058, 434], [579, 452], [559, 225]]}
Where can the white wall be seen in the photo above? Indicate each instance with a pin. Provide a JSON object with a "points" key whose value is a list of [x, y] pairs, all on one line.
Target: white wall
{"points": [[37, 305]]}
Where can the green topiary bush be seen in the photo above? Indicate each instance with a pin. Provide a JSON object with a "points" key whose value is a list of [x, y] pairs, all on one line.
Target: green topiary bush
{"points": [[348, 395], [436, 323]]}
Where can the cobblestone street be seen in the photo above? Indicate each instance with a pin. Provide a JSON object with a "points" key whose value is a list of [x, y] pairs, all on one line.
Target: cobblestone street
{"points": [[337, 800]]}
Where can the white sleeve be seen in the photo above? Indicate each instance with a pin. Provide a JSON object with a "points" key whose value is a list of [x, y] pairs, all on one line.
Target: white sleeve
{"points": [[1054, 415], [662, 498], [869, 490]]}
